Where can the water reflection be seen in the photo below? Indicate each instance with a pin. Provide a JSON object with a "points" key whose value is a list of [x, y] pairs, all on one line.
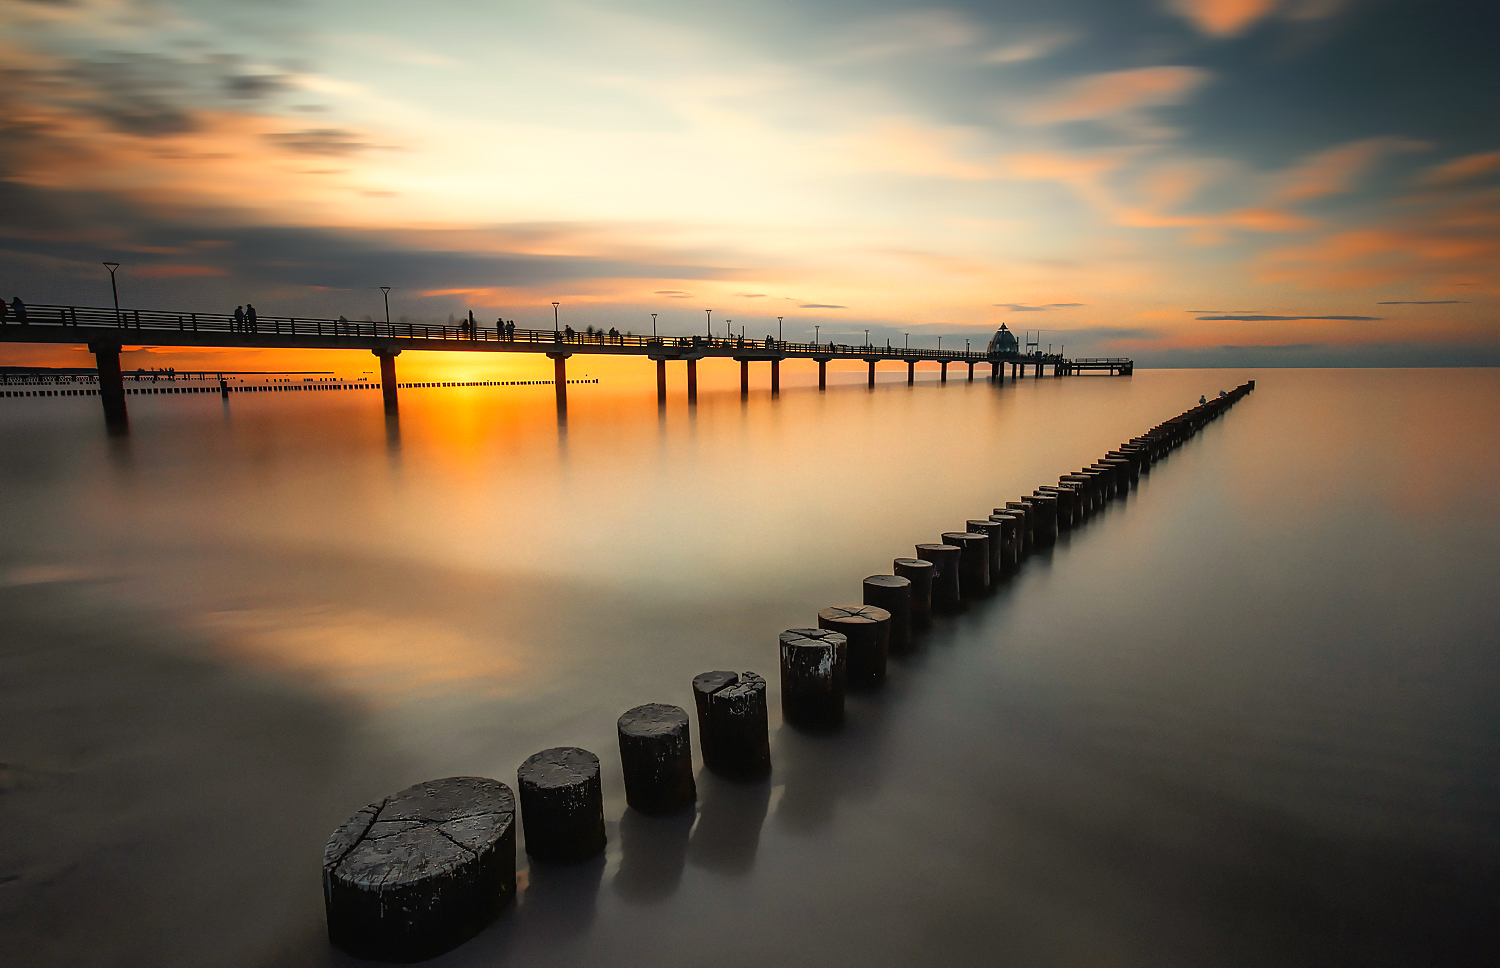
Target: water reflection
{"points": [[730, 818], [653, 852], [821, 769], [559, 900]]}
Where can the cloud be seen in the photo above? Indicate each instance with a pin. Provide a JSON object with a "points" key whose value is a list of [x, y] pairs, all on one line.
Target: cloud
{"points": [[819, 306], [1099, 96], [1333, 171], [1287, 319], [324, 142], [1422, 302], [1023, 308], [179, 272], [672, 293], [751, 295], [1030, 48], [907, 35], [1222, 18], [1462, 169], [1211, 312]]}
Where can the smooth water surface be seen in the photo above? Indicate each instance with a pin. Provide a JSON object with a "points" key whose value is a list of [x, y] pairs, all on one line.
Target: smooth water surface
{"points": [[1248, 716]]}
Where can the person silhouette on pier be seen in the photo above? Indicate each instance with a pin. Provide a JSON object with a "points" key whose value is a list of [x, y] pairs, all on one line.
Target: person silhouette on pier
{"points": [[1202, 398], [4, 312], [19, 309], [239, 319], [251, 319]]}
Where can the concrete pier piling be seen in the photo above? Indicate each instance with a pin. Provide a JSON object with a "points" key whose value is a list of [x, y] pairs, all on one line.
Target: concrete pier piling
{"points": [[919, 572], [893, 593], [867, 630], [562, 805], [814, 665], [947, 593], [413, 875], [973, 561], [732, 724], [656, 754]]}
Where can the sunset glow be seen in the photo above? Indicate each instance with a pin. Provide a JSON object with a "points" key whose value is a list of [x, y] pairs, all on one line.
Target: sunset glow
{"points": [[1189, 182]]}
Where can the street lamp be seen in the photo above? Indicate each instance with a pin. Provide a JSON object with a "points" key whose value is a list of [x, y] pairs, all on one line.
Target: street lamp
{"points": [[816, 327], [940, 344], [554, 317], [867, 337], [778, 329], [112, 266], [385, 293], [908, 340], [709, 315], [653, 326], [966, 346]]}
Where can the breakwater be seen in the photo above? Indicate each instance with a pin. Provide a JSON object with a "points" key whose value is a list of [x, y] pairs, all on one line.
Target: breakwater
{"points": [[423, 893]]}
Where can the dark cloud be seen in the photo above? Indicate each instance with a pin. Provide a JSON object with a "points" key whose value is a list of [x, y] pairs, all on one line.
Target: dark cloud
{"points": [[672, 293], [139, 94], [751, 295], [819, 306], [324, 142], [1287, 319], [1212, 312], [1421, 302], [1105, 333], [1023, 308], [253, 86]]}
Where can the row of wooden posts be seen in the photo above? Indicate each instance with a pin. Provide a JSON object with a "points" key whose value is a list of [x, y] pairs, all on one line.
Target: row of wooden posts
{"points": [[415, 874]]}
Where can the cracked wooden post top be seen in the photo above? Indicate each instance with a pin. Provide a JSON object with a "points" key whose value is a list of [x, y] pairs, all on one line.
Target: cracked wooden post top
{"points": [[892, 593], [868, 629], [562, 805], [919, 572], [733, 727], [418, 873], [945, 588], [814, 664], [973, 561]]}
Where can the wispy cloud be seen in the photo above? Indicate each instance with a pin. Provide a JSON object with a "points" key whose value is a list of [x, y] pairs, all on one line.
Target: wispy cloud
{"points": [[1098, 96], [1335, 170], [1223, 18], [1462, 169], [1422, 302], [820, 306], [1287, 319], [672, 293], [1023, 308]]}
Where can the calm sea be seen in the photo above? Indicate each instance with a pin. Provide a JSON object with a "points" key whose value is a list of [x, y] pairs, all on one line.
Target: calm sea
{"points": [[1248, 716]]}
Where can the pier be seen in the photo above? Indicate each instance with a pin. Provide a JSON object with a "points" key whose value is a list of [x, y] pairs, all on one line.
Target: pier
{"points": [[107, 331]]}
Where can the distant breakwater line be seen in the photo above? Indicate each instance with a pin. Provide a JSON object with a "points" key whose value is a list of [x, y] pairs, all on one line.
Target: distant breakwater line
{"points": [[417, 873], [167, 388]]}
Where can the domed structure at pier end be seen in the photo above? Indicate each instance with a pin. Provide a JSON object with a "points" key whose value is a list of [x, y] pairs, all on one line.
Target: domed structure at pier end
{"points": [[1004, 341]]}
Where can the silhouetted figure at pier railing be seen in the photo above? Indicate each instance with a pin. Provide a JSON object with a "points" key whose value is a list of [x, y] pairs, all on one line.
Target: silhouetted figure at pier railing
{"points": [[4, 313], [239, 319], [250, 318], [342, 326], [18, 308]]}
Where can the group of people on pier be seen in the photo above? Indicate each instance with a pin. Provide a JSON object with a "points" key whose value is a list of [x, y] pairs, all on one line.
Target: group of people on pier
{"points": [[16, 309], [245, 320]]}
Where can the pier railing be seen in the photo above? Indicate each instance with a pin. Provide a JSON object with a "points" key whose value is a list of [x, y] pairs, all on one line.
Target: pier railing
{"points": [[159, 322]]}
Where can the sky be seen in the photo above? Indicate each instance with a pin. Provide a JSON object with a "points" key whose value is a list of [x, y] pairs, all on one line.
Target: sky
{"points": [[1186, 182]]}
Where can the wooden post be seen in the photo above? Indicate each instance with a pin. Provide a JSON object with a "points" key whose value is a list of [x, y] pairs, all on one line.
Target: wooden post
{"points": [[868, 631], [919, 572], [692, 366], [946, 594], [892, 593], [814, 663], [661, 382], [744, 377], [911, 372], [656, 755], [562, 806], [775, 377], [973, 561], [944, 378], [418, 873], [822, 374], [560, 380], [732, 724]]}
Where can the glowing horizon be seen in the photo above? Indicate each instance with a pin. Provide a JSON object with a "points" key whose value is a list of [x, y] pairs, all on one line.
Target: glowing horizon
{"points": [[1092, 170]]}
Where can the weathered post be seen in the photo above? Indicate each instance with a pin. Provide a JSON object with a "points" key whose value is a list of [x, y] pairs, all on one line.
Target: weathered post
{"points": [[732, 723], [814, 664], [657, 757], [919, 572], [867, 630], [562, 805], [1010, 540], [996, 534], [892, 593], [418, 873], [946, 590], [1028, 523], [973, 561]]}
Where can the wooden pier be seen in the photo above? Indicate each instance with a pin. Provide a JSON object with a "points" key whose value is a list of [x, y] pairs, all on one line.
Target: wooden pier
{"points": [[106, 331]]}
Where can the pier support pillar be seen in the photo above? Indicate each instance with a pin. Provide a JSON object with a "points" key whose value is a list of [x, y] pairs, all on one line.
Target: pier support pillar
{"points": [[775, 377], [661, 382], [971, 371], [560, 379], [692, 381], [822, 374], [744, 378], [997, 372], [111, 387], [945, 372], [387, 359], [911, 372], [871, 382]]}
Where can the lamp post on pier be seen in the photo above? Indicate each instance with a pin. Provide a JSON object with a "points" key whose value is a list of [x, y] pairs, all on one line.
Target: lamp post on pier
{"points": [[385, 293], [114, 290], [708, 315], [554, 317], [816, 328], [778, 329], [653, 326], [908, 340]]}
